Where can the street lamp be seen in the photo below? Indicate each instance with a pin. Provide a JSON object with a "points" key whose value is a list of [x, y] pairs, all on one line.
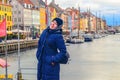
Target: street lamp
{"points": [[6, 47], [19, 75], [32, 26]]}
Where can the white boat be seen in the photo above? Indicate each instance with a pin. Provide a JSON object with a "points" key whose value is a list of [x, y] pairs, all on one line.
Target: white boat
{"points": [[75, 40]]}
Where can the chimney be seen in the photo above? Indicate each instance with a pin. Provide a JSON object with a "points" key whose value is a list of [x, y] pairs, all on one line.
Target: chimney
{"points": [[58, 5], [53, 1]]}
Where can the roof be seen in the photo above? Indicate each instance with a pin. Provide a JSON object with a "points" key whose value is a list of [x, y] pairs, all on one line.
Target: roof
{"points": [[35, 2], [38, 3], [57, 8], [42, 4], [25, 1]]}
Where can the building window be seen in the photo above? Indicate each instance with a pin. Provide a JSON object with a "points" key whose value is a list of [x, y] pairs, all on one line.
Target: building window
{"points": [[2, 8], [10, 18], [29, 6], [2, 17], [7, 18], [15, 19], [10, 28], [25, 5], [5, 8], [10, 9], [19, 19], [19, 12], [15, 12], [16, 6]]}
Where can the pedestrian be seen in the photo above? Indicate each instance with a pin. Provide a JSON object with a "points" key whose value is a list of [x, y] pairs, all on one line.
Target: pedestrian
{"points": [[37, 35], [51, 51]]}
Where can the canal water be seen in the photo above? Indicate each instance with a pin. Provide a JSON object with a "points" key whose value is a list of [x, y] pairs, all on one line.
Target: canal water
{"points": [[97, 60]]}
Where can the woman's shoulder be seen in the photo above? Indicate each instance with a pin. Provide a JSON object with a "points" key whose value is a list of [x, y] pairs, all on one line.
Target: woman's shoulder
{"points": [[58, 36], [44, 31]]}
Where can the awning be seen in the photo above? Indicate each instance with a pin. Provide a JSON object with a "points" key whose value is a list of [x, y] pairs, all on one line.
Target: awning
{"points": [[3, 63], [9, 32], [16, 31]]}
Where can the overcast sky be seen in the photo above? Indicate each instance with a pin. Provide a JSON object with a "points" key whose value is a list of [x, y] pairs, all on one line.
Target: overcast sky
{"points": [[108, 9]]}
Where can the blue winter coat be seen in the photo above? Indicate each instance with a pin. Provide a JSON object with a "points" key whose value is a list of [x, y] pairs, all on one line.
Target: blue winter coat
{"points": [[51, 48]]}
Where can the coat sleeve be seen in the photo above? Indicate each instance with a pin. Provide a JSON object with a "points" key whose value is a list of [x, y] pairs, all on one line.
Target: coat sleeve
{"points": [[38, 53], [38, 50], [60, 44]]}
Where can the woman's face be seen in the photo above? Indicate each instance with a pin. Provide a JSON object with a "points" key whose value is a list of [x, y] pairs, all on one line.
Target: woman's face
{"points": [[53, 25]]}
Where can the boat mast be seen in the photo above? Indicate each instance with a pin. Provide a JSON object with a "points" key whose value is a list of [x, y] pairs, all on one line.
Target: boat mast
{"points": [[72, 26], [89, 23], [78, 21]]}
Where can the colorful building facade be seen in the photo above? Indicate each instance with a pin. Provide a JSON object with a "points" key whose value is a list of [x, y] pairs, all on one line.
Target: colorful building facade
{"points": [[6, 9], [42, 19], [53, 13]]}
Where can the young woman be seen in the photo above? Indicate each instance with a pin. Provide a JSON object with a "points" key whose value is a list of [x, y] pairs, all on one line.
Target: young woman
{"points": [[51, 51]]}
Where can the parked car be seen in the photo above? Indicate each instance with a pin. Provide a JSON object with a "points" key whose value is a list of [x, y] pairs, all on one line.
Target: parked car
{"points": [[88, 37]]}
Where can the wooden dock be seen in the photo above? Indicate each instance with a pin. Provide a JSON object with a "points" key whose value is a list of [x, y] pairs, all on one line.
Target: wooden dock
{"points": [[12, 46]]}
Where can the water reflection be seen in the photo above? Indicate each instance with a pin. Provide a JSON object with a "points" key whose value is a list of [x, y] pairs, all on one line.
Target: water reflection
{"points": [[97, 60]]}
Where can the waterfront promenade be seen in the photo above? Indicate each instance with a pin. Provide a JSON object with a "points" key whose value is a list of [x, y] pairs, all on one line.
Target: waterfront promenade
{"points": [[12, 45], [97, 60]]}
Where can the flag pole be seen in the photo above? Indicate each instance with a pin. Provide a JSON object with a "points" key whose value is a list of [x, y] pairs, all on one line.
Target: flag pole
{"points": [[6, 47]]}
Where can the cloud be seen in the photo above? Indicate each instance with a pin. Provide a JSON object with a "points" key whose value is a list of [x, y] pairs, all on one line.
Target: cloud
{"points": [[107, 4], [95, 5]]}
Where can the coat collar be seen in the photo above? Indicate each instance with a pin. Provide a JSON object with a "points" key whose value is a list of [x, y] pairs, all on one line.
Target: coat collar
{"points": [[55, 31]]}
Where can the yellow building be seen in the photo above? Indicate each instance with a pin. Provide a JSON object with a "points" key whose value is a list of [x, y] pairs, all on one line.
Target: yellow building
{"points": [[82, 24], [53, 13], [6, 8], [42, 19], [102, 25], [64, 17]]}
